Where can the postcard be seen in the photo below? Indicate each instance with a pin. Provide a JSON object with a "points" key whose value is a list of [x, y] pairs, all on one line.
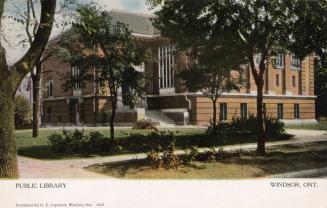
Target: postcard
{"points": [[163, 103]]}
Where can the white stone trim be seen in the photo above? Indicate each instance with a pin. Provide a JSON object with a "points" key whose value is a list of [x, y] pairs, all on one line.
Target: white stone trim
{"points": [[238, 94], [299, 121], [167, 91]]}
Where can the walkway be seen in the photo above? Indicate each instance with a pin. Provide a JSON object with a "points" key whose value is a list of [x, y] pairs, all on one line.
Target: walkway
{"points": [[74, 168], [313, 173]]}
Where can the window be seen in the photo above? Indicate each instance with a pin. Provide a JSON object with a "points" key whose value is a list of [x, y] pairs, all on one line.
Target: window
{"points": [[294, 81], [49, 114], [50, 87], [296, 63], [244, 110], [296, 111], [277, 79], [223, 112], [166, 66], [76, 72], [280, 111], [280, 61]]}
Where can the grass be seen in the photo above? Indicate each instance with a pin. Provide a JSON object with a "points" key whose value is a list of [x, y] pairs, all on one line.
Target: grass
{"points": [[279, 160], [321, 125], [39, 147]]}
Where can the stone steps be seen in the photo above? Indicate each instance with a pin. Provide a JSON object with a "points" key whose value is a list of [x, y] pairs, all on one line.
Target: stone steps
{"points": [[157, 115]]}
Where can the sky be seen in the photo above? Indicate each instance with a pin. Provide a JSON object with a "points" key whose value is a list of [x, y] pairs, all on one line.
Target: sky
{"points": [[13, 32]]}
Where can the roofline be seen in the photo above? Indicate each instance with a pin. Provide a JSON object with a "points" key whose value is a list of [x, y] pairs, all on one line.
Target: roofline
{"points": [[145, 35], [132, 13]]}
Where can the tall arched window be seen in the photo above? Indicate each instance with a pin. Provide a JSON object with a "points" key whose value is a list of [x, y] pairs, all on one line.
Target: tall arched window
{"points": [[166, 67], [76, 76], [50, 87]]}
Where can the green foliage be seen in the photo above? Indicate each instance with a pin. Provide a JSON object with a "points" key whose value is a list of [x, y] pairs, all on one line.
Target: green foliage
{"points": [[104, 52], [23, 114], [190, 154], [161, 145], [78, 142], [321, 86], [246, 28], [116, 57], [155, 141], [247, 127], [146, 124]]}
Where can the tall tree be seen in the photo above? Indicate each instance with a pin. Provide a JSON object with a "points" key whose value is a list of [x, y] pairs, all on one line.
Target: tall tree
{"points": [[107, 47], [210, 72], [27, 16], [249, 26], [10, 78]]}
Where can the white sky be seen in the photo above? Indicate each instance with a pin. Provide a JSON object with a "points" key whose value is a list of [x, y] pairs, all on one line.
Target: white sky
{"points": [[13, 32]]}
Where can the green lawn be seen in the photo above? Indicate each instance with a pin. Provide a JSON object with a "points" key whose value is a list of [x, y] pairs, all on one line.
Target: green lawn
{"points": [[321, 125], [40, 148], [278, 160]]}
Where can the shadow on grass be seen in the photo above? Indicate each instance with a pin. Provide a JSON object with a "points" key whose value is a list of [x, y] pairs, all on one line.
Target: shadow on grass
{"points": [[286, 159], [121, 169], [279, 160], [46, 153]]}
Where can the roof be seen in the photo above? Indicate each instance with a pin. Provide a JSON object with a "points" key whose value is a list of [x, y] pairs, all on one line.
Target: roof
{"points": [[139, 23]]}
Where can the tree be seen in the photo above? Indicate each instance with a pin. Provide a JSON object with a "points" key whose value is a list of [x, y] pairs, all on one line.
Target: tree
{"points": [[28, 18], [22, 112], [311, 36], [10, 78], [108, 47], [210, 72], [250, 27]]}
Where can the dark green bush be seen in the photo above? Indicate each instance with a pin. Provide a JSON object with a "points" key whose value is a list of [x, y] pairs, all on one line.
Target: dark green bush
{"points": [[23, 113], [246, 127], [78, 142], [57, 142], [155, 141]]}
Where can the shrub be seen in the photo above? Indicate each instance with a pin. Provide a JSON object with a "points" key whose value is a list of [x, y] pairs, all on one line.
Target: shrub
{"points": [[78, 142], [23, 113], [154, 159], [160, 148], [146, 124], [246, 127], [57, 142], [190, 154], [99, 143], [155, 141]]}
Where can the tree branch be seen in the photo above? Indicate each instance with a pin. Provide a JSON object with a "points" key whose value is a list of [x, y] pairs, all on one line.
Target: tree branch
{"points": [[28, 61], [3, 61]]}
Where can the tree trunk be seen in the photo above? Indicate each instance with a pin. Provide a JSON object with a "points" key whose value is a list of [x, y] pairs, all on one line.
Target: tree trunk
{"points": [[8, 158], [9, 81], [214, 115], [36, 99], [261, 150], [259, 81], [112, 116]]}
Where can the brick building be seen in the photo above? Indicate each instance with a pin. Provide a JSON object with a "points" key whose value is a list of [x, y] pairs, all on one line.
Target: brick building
{"points": [[289, 89]]}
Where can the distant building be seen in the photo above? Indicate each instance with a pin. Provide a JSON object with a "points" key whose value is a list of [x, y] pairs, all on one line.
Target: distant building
{"points": [[289, 89]]}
